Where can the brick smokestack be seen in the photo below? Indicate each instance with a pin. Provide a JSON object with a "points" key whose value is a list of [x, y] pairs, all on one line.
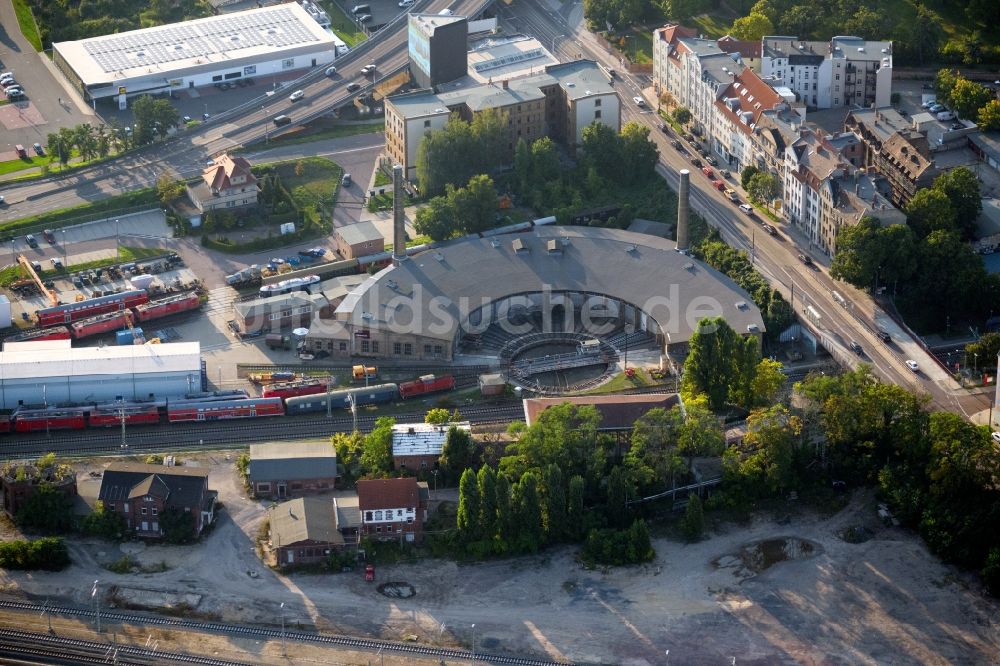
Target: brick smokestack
{"points": [[682, 210], [398, 226]]}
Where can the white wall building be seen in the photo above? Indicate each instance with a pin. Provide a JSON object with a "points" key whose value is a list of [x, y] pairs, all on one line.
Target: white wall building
{"points": [[52, 371], [846, 71], [254, 43]]}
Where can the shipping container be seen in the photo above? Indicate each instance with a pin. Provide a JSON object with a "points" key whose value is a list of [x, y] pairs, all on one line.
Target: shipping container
{"points": [[168, 306]]}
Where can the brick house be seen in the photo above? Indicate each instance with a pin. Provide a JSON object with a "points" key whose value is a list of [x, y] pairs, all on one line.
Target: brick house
{"points": [[291, 469], [418, 446], [19, 486], [358, 240], [392, 508], [140, 493], [303, 531]]}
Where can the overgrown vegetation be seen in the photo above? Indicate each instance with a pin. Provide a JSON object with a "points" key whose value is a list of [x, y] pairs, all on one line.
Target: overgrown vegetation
{"points": [[48, 553], [26, 22], [67, 20]]}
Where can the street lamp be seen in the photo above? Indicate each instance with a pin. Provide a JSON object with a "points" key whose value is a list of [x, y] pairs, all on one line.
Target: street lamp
{"points": [[63, 236], [554, 45], [97, 604], [121, 412], [283, 629], [263, 113], [473, 642], [118, 241]]}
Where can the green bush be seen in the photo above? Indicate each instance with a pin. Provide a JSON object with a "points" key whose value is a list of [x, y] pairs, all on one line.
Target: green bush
{"points": [[49, 554], [104, 523], [48, 510], [619, 547]]}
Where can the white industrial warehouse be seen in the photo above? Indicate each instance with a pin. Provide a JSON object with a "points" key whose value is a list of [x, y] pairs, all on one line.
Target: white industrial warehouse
{"points": [[257, 42], [52, 372]]}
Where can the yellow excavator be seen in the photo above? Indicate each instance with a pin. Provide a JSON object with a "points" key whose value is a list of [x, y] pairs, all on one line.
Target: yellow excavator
{"points": [[30, 270]]}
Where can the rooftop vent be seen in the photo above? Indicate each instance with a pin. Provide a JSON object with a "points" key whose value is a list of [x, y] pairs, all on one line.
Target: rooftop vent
{"points": [[885, 50], [367, 316], [494, 242], [392, 284], [552, 246], [861, 49], [412, 430], [630, 249], [519, 245], [439, 256]]}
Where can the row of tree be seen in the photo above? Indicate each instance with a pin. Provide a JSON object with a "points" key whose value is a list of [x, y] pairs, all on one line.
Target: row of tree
{"points": [[970, 100], [936, 277], [67, 20], [461, 210], [460, 150]]}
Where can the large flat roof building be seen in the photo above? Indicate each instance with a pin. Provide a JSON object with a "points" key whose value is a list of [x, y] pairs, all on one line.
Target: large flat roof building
{"points": [[256, 42], [52, 371]]}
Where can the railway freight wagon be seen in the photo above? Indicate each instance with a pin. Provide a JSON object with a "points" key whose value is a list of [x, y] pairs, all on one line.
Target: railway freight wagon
{"points": [[369, 395], [426, 384], [104, 323], [70, 312], [54, 333], [178, 412], [167, 307]]}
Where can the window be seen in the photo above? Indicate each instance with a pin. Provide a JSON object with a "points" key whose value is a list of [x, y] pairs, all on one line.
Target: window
{"points": [[153, 510], [423, 464], [374, 346], [837, 77], [144, 511], [399, 513], [597, 102], [427, 350], [343, 346], [364, 346], [378, 528], [264, 487], [597, 114], [217, 77], [397, 348], [125, 507], [407, 349], [368, 515], [378, 515], [427, 123], [438, 350], [409, 520]]}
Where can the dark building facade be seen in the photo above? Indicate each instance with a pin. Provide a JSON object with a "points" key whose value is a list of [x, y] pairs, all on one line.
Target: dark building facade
{"points": [[141, 493], [438, 49]]}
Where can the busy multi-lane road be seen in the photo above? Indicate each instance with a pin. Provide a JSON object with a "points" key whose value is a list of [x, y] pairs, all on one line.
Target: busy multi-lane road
{"points": [[857, 319], [185, 152]]}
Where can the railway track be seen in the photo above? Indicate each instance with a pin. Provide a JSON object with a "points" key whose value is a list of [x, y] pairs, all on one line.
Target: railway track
{"points": [[234, 630], [220, 434]]}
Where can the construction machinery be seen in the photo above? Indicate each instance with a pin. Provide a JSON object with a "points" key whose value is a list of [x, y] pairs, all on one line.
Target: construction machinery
{"points": [[26, 265]]}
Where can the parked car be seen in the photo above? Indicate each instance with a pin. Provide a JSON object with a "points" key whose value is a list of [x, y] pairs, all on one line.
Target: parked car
{"points": [[732, 196], [746, 208], [883, 335], [770, 230], [664, 128], [711, 160], [346, 180], [407, 3], [37, 147], [361, 9], [49, 237], [725, 173], [57, 263], [676, 144], [708, 172], [719, 185], [21, 152], [696, 163], [31, 241], [364, 18]]}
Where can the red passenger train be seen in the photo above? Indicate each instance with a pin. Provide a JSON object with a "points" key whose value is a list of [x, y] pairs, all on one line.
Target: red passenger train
{"points": [[426, 384], [54, 333], [110, 416], [70, 312], [224, 409]]}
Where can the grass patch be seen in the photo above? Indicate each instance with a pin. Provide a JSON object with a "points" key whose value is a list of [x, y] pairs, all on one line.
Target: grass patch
{"points": [[381, 178], [13, 166], [621, 382], [82, 213], [318, 181], [342, 25], [26, 22], [763, 209], [419, 240], [330, 132], [714, 25], [637, 45]]}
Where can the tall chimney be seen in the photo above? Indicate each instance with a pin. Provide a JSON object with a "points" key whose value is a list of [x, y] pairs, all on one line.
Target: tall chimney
{"points": [[682, 210], [398, 226]]}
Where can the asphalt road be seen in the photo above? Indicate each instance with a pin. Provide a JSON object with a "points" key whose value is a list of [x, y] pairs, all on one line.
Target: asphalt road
{"points": [[239, 126], [775, 257]]}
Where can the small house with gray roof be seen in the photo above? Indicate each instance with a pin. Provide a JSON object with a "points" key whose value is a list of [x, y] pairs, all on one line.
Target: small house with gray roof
{"points": [[291, 469], [141, 493], [302, 531]]}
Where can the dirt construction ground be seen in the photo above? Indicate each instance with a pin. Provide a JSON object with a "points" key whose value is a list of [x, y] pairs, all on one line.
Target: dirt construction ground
{"points": [[883, 601]]}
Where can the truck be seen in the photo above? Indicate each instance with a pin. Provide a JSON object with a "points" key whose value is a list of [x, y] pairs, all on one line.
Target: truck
{"points": [[361, 372], [276, 341], [249, 276]]}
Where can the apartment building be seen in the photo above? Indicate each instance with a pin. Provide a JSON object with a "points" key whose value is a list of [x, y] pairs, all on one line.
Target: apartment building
{"points": [[736, 115], [823, 191], [844, 72], [895, 149], [560, 104]]}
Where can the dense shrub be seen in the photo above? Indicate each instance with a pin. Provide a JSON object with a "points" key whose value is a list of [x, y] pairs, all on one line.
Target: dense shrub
{"points": [[49, 554], [619, 547]]}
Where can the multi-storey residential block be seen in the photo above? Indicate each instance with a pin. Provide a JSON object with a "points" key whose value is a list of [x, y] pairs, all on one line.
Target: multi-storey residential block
{"points": [[895, 149], [846, 71]]}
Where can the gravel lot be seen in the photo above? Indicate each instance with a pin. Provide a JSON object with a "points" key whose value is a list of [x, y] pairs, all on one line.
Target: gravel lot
{"points": [[883, 601]]}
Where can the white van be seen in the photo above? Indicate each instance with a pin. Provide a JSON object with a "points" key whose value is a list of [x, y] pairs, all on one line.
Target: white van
{"points": [[297, 95]]}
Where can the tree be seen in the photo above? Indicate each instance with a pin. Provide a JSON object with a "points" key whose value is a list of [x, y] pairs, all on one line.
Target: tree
{"points": [[991, 572], [507, 525], [745, 176], [468, 507], [653, 458], [763, 187], [618, 511], [168, 189], [967, 97], [866, 24], [104, 523], [544, 161], [762, 463], [930, 210], [153, 117], [555, 504], [376, 459], [475, 205], [522, 165], [177, 525], [486, 482], [349, 447], [682, 115], [529, 513], [961, 187], [989, 116], [710, 365], [924, 34], [752, 27], [639, 154], [437, 416], [47, 510], [563, 434], [799, 20], [48, 553], [458, 449], [438, 219], [944, 82], [767, 382], [693, 524], [574, 509], [868, 250], [701, 433], [59, 146], [601, 149], [984, 350]]}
